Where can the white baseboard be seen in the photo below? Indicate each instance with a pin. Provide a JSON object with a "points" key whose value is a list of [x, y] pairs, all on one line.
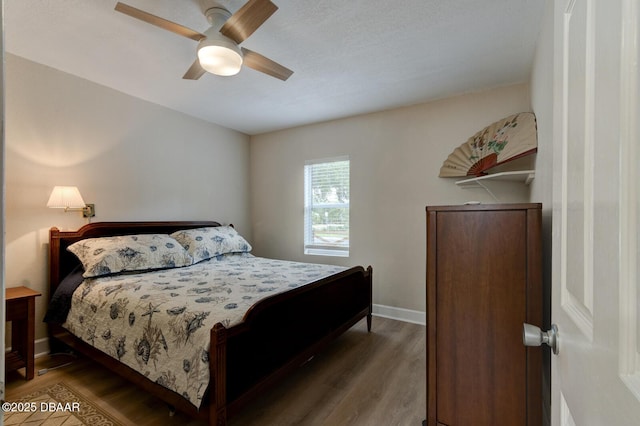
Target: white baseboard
{"points": [[400, 314], [41, 347]]}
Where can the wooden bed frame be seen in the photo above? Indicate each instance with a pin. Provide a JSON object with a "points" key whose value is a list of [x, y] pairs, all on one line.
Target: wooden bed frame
{"points": [[244, 359]]}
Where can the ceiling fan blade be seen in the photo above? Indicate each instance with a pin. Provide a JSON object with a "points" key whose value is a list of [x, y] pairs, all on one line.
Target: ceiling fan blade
{"points": [[263, 64], [194, 72], [158, 21], [247, 19]]}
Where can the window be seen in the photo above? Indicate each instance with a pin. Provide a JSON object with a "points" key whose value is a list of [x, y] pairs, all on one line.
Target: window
{"points": [[326, 207]]}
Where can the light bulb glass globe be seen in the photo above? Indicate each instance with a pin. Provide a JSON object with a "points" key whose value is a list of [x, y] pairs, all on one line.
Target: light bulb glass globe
{"points": [[219, 60]]}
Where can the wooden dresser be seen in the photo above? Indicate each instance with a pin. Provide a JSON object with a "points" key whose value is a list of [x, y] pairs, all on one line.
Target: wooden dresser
{"points": [[484, 280]]}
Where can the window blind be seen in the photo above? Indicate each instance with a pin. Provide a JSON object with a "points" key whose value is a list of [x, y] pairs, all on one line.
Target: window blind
{"points": [[327, 207]]}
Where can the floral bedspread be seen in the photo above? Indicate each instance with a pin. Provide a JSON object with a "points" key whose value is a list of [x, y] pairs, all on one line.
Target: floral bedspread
{"points": [[158, 322]]}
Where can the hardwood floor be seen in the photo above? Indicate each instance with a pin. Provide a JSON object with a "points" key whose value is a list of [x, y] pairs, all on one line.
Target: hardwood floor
{"points": [[375, 378]]}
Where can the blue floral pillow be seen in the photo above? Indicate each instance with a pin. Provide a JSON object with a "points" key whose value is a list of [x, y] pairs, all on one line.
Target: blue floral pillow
{"points": [[110, 255], [205, 243]]}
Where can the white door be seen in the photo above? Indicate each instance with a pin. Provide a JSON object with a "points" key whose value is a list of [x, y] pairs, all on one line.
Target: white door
{"points": [[595, 298]]}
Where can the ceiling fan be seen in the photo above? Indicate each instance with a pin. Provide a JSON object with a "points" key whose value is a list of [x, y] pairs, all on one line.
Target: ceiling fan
{"points": [[218, 50]]}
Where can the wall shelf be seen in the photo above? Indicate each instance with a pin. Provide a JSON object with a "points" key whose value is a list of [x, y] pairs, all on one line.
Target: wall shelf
{"points": [[524, 176]]}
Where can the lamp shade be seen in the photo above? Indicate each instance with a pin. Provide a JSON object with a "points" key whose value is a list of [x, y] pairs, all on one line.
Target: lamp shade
{"points": [[220, 56], [65, 197]]}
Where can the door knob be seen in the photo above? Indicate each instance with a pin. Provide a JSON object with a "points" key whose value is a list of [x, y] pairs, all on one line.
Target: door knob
{"points": [[533, 336]]}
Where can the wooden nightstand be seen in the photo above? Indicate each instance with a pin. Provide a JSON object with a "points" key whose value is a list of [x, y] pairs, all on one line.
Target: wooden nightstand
{"points": [[21, 308]]}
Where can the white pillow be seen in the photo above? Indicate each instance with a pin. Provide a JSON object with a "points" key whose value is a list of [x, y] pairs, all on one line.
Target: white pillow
{"points": [[110, 255], [205, 243]]}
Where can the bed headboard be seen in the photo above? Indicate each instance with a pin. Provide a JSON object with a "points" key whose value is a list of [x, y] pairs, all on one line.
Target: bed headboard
{"points": [[61, 262]]}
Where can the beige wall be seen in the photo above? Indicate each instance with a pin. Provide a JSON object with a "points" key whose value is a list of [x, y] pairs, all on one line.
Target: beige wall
{"points": [[133, 159], [395, 159]]}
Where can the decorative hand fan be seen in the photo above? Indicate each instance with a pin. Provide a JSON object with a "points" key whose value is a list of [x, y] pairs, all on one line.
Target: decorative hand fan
{"points": [[510, 138]]}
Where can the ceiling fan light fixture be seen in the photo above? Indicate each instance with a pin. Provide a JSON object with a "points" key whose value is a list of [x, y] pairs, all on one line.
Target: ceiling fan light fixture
{"points": [[219, 56], [218, 51]]}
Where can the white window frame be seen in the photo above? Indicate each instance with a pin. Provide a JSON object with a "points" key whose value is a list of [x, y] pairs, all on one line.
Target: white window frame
{"points": [[311, 247]]}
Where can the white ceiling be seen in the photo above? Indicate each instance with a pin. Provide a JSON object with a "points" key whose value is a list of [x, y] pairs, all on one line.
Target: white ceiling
{"points": [[348, 56]]}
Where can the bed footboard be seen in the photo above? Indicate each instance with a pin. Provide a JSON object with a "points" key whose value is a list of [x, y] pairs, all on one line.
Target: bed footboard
{"points": [[281, 333]]}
